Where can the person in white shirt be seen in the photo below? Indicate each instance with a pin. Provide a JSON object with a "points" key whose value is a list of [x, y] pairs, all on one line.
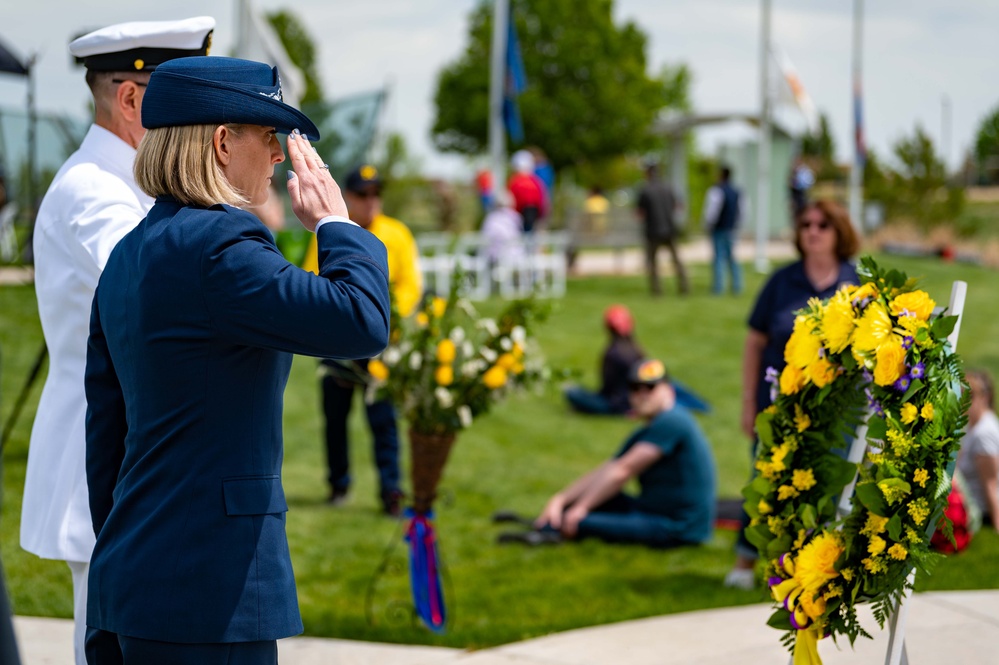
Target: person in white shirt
{"points": [[91, 204], [503, 230], [978, 461], [722, 213]]}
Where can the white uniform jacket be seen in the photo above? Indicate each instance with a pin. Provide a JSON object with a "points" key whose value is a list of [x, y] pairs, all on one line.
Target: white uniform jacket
{"points": [[92, 203]]}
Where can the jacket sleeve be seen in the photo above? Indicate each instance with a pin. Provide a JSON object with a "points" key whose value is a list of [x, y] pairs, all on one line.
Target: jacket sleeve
{"points": [[106, 424], [257, 298]]}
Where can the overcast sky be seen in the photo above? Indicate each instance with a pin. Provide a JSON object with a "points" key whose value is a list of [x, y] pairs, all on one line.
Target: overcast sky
{"points": [[917, 53]]}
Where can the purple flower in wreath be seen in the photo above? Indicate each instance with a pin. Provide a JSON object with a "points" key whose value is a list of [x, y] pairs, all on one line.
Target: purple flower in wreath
{"points": [[772, 376], [867, 376], [918, 371], [907, 342], [903, 384]]}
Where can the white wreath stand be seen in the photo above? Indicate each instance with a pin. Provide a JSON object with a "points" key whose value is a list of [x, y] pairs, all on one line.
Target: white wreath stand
{"points": [[896, 654]]}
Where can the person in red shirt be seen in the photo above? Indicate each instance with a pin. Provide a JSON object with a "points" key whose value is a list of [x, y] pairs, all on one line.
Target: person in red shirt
{"points": [[529, 193]]}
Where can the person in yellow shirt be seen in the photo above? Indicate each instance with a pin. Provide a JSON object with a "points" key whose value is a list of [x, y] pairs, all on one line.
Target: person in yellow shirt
{"points": [[362, 192]]}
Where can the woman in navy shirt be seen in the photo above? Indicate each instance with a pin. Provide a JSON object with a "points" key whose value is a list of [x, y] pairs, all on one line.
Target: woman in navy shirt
{"points": [[826, 241]]}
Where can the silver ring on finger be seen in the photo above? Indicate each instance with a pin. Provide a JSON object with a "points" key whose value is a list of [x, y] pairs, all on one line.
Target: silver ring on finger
{"points": [[325, 166]]}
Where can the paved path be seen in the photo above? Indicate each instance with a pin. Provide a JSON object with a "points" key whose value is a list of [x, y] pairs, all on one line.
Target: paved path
{"points": [[952, 628]]}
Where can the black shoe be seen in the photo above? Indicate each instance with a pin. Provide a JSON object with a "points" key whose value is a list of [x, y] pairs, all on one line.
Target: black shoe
{"points": [[337, 497], [531, 538], [510, 516], [392, 503]]}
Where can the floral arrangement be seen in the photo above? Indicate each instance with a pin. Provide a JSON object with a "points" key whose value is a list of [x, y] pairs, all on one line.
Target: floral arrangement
{"points": [[446, 365], [876, 349]]}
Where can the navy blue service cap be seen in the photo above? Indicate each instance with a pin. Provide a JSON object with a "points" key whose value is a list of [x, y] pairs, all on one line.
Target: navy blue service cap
{"points": [[141, 46], [217, 90]]}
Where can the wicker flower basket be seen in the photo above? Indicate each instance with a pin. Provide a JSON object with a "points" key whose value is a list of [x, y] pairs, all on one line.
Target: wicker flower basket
{"points": [[429, 453]]}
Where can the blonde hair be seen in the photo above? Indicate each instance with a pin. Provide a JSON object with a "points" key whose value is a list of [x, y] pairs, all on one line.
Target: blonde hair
{"points": [[179, 162]]}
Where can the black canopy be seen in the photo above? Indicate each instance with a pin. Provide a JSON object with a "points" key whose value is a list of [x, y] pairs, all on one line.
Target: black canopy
{"points": [[9, 62]]}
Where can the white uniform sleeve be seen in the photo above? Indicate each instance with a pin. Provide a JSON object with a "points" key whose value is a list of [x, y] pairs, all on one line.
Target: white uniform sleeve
{"points": [[101, 216], [712, 207]]}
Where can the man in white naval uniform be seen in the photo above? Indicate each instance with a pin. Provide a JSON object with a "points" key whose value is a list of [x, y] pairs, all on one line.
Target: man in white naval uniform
{"points": [[92, 203]]}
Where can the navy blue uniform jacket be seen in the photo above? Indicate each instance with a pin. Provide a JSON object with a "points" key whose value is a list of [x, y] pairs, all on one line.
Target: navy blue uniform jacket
{"points": [[193, 325]]}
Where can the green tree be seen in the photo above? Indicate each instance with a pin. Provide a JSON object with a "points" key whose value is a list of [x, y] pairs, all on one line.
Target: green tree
{"points": [[589, 96], [301, 49], [987, 146], [820, 149]]}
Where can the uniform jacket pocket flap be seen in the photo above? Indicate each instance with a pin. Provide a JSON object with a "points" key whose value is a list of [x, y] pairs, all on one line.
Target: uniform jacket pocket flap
{"points": [[256, 495]]}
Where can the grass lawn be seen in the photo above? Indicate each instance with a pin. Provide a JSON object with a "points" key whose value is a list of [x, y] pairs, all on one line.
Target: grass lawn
{"points": [[513, 458]]}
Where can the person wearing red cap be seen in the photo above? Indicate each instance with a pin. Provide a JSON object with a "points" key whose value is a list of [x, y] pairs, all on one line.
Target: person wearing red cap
{"points": [[620, 354]]}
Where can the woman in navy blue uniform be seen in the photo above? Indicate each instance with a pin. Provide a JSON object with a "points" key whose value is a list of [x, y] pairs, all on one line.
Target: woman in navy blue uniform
{"points": [[826, 241], [194, 324]]}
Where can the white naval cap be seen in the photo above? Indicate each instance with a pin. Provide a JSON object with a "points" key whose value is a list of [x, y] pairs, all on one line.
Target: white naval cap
{"points": [[143, 45]]}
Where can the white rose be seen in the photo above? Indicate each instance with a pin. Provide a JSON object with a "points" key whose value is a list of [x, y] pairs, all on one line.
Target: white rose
{"points": [[457, 335], [518, 334], [506, 344], [489, 326], [415, 361], [465, 415], [391, 356], [444, 397], [488, 354]]}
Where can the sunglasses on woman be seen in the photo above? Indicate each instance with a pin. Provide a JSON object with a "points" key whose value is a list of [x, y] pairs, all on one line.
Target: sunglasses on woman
{"points": [[821, 226]]}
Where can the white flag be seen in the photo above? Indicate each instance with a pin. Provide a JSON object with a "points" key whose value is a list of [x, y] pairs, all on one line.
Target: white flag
{"points": [[792, 91], [256, 40]]}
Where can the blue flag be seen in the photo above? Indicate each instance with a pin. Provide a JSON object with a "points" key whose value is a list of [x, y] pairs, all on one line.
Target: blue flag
{"points": [[515, 83]]}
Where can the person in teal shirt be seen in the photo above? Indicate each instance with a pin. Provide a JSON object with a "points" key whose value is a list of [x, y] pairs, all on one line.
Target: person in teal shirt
{"points": [[672, 461]]}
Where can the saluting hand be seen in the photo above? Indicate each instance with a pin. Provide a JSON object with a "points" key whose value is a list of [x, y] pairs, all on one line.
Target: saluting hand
{"points": [[314, 193]]}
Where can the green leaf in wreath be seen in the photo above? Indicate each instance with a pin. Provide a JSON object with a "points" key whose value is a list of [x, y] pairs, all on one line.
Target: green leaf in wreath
{"points": [[781, 620], [761, 485], [759, 536], [764, 429], [877, 428], [869, 494], [895, 527], [751, 507], [807, 514], [840, 473], [914, 388], [778, 546], [944, 326]]}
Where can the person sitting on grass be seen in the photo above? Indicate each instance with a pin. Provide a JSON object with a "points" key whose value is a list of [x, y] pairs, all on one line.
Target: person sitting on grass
{"points": [[621, 353], [670, 457]]}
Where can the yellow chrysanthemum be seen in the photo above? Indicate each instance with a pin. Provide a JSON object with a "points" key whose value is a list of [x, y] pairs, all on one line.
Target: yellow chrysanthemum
{"points": [[868, 290], [801, 419], [898, 552], [438, 306], [909, 413], [378, 370], [813, 606], [873, 328], [821, 372], [445, 351], [838, 322], [876, 545], [875, 524], [802, 348], [506, 361], [814, 565], [444, 376], [927, 411], [763, 507], [890, 361], [921, 476], [785, 492], [803, 479], [495, 377], [917, 304], [792, 379], [422, 319]]}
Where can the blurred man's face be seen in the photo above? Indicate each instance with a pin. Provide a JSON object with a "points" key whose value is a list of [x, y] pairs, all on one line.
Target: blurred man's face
{"points": [[364, 205]]}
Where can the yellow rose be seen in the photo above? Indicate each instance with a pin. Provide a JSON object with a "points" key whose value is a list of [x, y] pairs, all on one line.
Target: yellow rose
{"points": [[927, 411], [422, 319], [495, 377], [438, 306], [917, 304], [890, 362], [378, 370], [445, 351], [873, 328], [506, 361], [444, 375], [838, 322], [803, 347], [909, 413], [821, 372], [792, 380]]}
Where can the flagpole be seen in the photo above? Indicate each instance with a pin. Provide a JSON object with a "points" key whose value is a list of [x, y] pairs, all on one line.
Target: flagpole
{"points": [[857, 170], [497, 81], [763, 152]]}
